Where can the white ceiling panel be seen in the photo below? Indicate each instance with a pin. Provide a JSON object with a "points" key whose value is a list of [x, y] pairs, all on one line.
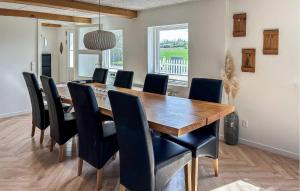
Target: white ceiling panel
{"points": [[127, 4], [137, 4]]}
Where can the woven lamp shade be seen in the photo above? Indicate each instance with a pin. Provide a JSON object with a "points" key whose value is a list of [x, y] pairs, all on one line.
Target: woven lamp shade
{"points": [[99, 40]]}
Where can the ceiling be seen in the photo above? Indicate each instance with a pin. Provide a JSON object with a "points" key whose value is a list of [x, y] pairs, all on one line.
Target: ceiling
{"points": [[137, 4], [24, 7], [126, 4]]}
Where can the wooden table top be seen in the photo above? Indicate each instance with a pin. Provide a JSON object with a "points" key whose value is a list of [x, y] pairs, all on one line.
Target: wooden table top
{"points": [[166, 114]]}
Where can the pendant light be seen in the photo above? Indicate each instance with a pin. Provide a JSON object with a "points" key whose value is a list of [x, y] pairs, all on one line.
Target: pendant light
{"points": [[99, 39]]}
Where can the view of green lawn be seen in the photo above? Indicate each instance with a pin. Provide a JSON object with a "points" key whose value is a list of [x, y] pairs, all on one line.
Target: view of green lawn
{"points": [[167, 53]]}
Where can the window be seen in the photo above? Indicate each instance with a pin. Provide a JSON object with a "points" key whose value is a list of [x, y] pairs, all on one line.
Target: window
{"points": [[87, 60], [168, 52], [87, 63], [113, 59]]}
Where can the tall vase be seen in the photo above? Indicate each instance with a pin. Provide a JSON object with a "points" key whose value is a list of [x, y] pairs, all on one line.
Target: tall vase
{"points": [[231, 129]]}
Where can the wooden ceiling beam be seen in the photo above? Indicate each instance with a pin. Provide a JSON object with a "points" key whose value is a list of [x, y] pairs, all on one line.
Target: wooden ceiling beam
{"points": [[51, 25], [47, 16], [77, 5]]}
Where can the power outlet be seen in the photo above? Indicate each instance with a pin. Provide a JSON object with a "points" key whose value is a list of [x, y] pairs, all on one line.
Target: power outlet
{"points": [[245, 123]]}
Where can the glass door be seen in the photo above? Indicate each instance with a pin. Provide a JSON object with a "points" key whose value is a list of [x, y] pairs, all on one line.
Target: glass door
{"points": [[71, 55]]}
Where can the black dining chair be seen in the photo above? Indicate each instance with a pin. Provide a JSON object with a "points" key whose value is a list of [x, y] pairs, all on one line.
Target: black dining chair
{"points": [[124, 79], [204, 141], [97, 141], [40, 113], [146, 162], [100, 75], [62, 124], [156, 83]]}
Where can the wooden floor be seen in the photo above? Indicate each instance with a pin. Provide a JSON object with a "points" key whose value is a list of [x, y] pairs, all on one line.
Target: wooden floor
{"points": [[27, 165]]}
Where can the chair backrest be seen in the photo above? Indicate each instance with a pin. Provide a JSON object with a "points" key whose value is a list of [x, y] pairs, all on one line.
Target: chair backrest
{"points": [[124, 79], [156, 83], [56, 113], [88, 121], [36, 99], [206, 90], [100, 75], [135, 143]]}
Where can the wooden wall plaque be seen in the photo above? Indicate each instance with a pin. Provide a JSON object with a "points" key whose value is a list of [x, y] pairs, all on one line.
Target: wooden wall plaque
{"points": [[248, 60], [271, 42], [239, 25]]}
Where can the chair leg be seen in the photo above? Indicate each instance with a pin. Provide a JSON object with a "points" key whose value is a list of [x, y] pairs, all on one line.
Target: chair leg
{"points": [[61, 153], [80, 162], [77, 144], [99, 179], [216, 167], [188, 178], [42, 136], [32, 130], [195, 173], [114, 156], [122, 188], [52, 144]]}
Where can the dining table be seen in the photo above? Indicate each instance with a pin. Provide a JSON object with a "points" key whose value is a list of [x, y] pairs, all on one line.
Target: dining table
{"points": [[165, 114]]}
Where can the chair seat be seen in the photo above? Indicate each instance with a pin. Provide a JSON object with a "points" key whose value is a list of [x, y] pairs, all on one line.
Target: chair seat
{"points": [[110, 141], [194, 141], [70, 116], [167, 152], [66, 107], [105, 117], [109, 129], [71, 129], [169, 158], [46, 118], [83, 81]]}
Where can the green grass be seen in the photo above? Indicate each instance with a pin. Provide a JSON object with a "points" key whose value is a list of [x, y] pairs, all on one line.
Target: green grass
{"points": [[117, 63], [174, 52]]}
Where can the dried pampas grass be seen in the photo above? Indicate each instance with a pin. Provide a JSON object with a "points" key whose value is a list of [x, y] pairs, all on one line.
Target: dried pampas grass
{"points": [[235, 87], [229, 67], [231, 82]]}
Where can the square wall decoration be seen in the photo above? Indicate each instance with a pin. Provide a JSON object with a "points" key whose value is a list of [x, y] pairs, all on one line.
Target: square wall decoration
{"points": [[239, 25], [248, 60], [271, 42]]}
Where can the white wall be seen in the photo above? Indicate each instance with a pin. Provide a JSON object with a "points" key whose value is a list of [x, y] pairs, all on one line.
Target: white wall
{"points": [[207, 21], [269, 98], [18, 48], [62, 58]]}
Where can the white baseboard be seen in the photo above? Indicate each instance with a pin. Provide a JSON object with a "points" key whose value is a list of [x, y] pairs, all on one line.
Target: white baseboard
{"points": [[267, 148], [5, 115]]}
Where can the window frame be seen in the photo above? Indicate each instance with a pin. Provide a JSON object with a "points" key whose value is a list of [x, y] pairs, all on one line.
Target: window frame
{"points": [[106, 55], [69, 38], [156, 50]]}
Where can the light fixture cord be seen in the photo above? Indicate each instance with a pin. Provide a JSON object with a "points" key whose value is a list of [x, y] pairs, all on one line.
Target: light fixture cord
{"points": [[99, 14]]}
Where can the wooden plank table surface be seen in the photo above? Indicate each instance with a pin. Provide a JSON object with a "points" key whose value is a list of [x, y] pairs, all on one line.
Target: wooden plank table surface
{"points": [[166, 114]]}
